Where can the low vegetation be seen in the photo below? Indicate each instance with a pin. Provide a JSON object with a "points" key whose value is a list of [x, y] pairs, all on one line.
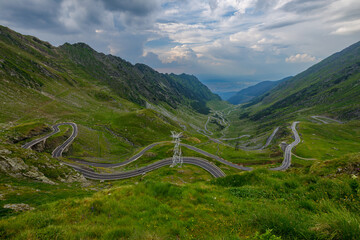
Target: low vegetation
{"points": [[121, 108], [293, 205]]}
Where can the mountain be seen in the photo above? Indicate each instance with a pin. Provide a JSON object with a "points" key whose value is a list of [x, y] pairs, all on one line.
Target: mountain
{"points": [[124, 114], [247, 94], [331, 87], [31, 62]]}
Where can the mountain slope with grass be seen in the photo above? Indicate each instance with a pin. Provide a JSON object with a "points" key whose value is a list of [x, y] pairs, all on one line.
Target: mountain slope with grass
{"points": [[331, 87], [247, 94], [31, 62], [120, 109]]}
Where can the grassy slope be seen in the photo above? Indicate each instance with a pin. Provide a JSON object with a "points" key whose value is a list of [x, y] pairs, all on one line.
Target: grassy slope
{"points": [[313, 200], [247, 94], [295, 205], [329, 87], [46, 84]]}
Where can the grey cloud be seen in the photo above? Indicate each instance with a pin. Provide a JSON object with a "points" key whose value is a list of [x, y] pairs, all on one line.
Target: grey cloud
{"points": [[306, 6], [348, 14], [213, 4], [50, 15], [263, 5], [136, 7], [40, 14], [281, 24]]}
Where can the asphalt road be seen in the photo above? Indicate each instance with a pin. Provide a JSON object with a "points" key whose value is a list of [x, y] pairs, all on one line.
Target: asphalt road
{"points": [[216, 157], [321, 119], [55, 130], [228, 139], [206, 132], [139, 154], [205, 127], [113, 165], [287, 155], [268, 141], [59, 150], [209, 167]]}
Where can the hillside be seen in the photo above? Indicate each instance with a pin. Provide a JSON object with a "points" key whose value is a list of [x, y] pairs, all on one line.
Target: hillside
{"points": [[110, 124], [31, 62], [330, 87], [119, 107], [247, 94]]}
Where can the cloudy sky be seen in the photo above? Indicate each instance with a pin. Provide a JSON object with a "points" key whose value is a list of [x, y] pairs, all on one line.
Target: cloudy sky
{"points": [[226, 43]]}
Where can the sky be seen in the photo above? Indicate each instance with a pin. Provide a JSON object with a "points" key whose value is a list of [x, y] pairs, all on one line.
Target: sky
{"points": [[227, 44]]}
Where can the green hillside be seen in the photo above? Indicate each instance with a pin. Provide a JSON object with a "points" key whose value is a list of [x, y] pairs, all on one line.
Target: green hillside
{"points": [[120, 109], [330, 87], [247, 94], [30, 62]]}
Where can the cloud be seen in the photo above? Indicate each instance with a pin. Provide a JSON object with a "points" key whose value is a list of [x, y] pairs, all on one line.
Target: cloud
{"points": [[178, 53], [34, 15], [348, 27], [300, 58], [306, 6], [235, 39], [135, 7]]}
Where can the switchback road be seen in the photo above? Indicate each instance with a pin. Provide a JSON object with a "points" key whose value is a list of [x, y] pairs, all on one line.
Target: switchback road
{"points": [[209, 167], [55, 130], [321, 119], [268, 141], [287, 155], [208, 133], [139, 154]]}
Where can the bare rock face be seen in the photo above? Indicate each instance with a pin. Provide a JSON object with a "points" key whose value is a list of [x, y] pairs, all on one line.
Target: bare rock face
{"points": [[38, 167], [40, 147], [19, 207], [16, 167], [5, 152], [77, 177]]}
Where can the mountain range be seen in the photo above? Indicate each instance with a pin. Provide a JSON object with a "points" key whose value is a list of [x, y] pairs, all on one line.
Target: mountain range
{"points": [[247, 94], [86, 140], [330, 87], [30, 62]]}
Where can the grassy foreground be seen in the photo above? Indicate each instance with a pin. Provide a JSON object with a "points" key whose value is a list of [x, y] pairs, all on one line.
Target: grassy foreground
{"points": [[319, 202]]}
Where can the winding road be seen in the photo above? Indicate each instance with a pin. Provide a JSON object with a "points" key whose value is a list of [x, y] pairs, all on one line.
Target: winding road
{"points": [[206, 165], [209, 167], [321, 119], [268, 141], [55, 130], [208, 133], [139, 154], [287, 155]]}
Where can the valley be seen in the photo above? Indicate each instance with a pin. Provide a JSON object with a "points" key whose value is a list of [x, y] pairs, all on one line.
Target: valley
{"points": [[85, 150]]}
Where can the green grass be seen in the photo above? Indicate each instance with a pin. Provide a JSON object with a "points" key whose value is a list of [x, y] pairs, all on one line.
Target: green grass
{"points": [[35, 193], [327, 141], [293, 205], [313, 200]]}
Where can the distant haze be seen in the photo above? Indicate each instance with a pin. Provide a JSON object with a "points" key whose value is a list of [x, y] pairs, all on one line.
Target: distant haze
{"points": [[228, 44]]}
